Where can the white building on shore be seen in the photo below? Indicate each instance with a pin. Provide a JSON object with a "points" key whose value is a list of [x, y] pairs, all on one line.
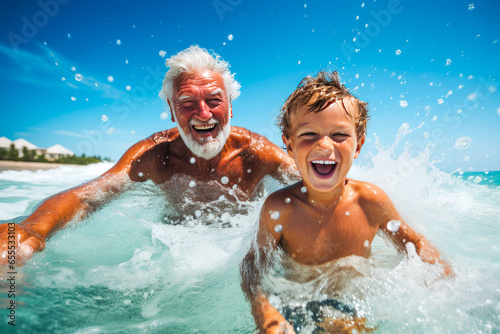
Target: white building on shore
{"points": [[52, 153]]}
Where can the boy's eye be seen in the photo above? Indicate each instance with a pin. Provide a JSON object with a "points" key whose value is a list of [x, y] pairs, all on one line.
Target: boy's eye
{"points": [[339, 136], [306, 134]]}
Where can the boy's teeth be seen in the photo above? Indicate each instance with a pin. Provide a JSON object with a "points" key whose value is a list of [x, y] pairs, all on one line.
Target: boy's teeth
{"points": [[324, 162]]}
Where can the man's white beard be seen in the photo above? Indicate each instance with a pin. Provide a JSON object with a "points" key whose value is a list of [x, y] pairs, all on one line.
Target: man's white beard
{"points": [[209, 147]]}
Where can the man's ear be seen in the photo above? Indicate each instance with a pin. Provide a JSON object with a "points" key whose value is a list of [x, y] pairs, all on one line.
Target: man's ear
{"points": [[230, 109], [288, 144], [171, 111], [360, 143]]}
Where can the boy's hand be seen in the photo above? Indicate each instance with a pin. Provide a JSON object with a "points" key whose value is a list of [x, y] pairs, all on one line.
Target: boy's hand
{"points": [[18, 244], [278, 325]]}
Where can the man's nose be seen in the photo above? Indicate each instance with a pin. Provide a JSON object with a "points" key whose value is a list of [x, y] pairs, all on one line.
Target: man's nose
{"points": [[203, 112]]}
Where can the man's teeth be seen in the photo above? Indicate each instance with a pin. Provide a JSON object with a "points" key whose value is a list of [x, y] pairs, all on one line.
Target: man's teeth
{"points": [[324, 162], [204, 127]]}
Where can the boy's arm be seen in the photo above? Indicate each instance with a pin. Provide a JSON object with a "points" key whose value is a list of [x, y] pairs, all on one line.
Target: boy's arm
{"points": [[266, 316], [56, 211], [382, 210]]}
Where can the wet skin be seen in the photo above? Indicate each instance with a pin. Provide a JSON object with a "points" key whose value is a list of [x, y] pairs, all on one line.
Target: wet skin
{"points": [[160, 158], [326, 216]]}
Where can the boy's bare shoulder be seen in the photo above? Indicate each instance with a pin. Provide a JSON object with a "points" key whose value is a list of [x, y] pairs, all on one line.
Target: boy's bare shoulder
{"points": [[281, 201], [368, 193]]}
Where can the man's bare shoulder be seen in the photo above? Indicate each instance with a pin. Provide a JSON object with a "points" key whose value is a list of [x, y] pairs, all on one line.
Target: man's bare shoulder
{"points": [[239, 137]]}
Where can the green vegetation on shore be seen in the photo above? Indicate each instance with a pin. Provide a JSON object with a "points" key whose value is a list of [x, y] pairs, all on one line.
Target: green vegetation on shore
{"points": [[12, 154]]}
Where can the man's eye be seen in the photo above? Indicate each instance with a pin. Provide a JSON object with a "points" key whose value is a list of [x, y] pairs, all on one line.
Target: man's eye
{"points": [[187, 103]]}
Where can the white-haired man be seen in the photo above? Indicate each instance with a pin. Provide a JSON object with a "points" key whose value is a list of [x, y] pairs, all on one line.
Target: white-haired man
{"points": [[203, 158]]}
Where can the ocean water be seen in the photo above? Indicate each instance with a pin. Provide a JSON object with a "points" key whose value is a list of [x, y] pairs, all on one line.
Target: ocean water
{"points": [[123, 270]]}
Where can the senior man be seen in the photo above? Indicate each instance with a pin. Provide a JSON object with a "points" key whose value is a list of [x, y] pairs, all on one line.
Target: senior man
{"points": [[202, 158]]}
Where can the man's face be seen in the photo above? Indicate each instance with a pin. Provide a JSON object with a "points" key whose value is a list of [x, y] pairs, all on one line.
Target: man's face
{"points": [[202, 110]]}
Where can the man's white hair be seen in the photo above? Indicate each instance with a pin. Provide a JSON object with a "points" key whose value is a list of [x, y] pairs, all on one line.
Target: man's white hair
{"points": [[195, 59]]}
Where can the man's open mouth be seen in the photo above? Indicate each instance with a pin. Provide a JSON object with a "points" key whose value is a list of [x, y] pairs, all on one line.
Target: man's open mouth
{"points": [[204, 128], [324, 167]]}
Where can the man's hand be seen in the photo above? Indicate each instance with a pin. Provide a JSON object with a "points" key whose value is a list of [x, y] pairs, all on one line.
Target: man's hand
{"points": [[18, 243]]}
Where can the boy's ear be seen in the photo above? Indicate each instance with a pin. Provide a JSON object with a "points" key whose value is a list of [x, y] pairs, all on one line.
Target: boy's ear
{"points": [[288, 144], [360, 143]]}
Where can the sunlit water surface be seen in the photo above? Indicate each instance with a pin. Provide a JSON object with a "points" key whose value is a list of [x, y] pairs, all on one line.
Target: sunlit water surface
{"points": [[125, 270]]}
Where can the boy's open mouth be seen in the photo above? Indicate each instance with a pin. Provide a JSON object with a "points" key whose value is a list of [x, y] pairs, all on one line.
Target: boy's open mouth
{"points": [[324, 167], [205, 128]]}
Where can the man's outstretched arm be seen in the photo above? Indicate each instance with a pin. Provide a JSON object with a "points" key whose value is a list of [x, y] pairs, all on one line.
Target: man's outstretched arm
{"points": [[78, 202], [276, 162]]}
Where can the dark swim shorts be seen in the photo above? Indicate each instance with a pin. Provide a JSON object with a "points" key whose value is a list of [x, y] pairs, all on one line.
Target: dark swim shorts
{"points": [[314, 313]]}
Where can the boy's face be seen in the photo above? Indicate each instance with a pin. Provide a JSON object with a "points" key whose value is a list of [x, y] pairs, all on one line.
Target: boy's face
{"points": [[324, 145]]}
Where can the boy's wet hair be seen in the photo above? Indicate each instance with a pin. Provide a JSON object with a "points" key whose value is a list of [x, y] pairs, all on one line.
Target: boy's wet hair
{"points": [[318, 93]]}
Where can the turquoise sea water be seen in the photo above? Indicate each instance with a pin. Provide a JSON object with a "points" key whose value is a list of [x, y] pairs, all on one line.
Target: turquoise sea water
{"points": [[124, 271]]}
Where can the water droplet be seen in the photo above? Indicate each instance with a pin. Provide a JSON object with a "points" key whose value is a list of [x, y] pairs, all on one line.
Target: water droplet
{"points": [[471, 7], [192, 184], [403, 103], [104, 118], [118, 42], [347, 213], [275, 215], [110, 78], [303, 189], [448, 62], [73, 98], [278, 228], [128, 88], [393, 225], [63, 79], [140, 174], [367, 243], [132, 132], [287, 200], [192, 160], [224, 180], [463, 142], [230, 37], [249, 170], [398, 52], [73, 69], [78, 77], [162, 53], [69, 36], [197, 213], [163, 115], [440, 101]]}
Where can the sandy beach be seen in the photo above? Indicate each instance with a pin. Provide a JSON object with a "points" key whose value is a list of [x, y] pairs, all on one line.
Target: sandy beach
{"points": [[31, 166]]}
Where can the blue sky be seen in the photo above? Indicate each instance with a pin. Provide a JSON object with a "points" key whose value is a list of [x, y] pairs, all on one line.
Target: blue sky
{"points": [[430, 64]]}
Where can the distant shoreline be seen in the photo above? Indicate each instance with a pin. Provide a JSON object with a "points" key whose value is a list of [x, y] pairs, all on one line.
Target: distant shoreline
{"points": [[6, 165]]}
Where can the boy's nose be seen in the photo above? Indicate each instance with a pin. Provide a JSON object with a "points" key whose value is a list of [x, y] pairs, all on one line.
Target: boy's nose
{"points": [[325, 143]]}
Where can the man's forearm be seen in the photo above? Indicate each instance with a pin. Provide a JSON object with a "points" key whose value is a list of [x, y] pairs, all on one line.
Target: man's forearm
{"points": [[54, 213]]}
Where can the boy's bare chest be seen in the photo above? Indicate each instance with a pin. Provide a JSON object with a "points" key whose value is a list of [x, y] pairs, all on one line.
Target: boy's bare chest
{"points": [[314, 239]]}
